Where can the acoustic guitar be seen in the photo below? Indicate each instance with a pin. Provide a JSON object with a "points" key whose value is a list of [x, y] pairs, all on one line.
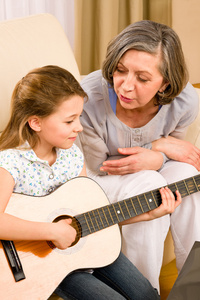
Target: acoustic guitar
{"points": [[98, 241]]}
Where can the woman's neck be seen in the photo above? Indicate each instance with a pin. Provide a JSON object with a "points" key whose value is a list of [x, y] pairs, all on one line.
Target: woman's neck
{"points": [[136, 117]]}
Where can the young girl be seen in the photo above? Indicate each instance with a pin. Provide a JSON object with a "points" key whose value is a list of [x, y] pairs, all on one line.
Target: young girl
{"points": [[37, 155]]}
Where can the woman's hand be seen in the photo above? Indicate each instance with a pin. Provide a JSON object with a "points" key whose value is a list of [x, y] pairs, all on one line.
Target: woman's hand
{"points": [[178, 150], [64, 233], [137, 159]]}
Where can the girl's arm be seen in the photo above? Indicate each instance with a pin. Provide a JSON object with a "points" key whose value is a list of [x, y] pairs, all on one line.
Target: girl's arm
{"points": [[13, 228], [168, 205], [83, 172]]}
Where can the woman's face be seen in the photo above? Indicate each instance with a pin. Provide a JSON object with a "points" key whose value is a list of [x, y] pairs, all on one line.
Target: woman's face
{"points": [[137, 79]]}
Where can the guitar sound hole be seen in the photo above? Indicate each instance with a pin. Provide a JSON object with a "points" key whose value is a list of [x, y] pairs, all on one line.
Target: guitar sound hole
{"points": [[75, 224]]}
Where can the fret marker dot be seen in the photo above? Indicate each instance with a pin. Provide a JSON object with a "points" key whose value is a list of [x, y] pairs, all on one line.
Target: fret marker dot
{"points": [[118, 212], [150, 200]]}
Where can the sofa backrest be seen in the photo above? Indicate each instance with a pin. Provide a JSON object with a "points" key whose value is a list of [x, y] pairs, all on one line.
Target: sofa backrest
{"points": [[193, 132], [27, 43], [35, 41]]}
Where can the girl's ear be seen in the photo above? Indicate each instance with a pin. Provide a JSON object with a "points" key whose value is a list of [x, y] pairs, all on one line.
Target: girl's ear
{"points": [[35, 123]]}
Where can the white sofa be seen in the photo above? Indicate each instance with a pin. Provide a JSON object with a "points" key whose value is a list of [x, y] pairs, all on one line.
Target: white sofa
{"points": [[36, 41], [27, 43]]}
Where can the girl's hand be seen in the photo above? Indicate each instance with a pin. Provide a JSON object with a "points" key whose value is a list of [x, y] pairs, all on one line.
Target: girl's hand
{"points": [[178, 150], [137, 159], [168, 205], [64, 233]]}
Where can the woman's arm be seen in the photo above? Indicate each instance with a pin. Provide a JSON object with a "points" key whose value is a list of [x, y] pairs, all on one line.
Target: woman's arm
{"points": [[174, 145], [96, 153], [143, 159], [93, 145], [135, 159], [178, 150]]}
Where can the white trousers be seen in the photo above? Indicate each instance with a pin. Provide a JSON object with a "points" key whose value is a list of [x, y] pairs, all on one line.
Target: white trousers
{"points": [[143, 242]]}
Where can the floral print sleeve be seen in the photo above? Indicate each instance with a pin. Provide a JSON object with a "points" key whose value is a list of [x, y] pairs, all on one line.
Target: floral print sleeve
{"points": [[34, 176], [9, 161]]}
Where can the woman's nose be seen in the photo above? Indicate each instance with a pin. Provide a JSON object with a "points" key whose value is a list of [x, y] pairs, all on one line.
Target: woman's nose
{"points": [[129, 83]]}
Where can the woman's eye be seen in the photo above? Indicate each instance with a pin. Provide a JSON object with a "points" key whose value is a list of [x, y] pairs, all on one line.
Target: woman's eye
{"points": [[142, 79], [120, 70]]}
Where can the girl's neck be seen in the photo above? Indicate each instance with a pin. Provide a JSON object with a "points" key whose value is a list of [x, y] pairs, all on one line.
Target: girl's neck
{"points": [[49, 155]]}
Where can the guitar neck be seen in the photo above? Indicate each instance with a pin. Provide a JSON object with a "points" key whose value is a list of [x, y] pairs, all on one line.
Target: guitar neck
{"points": [[115, 213]]}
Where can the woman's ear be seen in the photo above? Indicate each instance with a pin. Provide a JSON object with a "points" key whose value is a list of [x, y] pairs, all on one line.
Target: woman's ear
{"points": [[35, 123], [163, 87]]}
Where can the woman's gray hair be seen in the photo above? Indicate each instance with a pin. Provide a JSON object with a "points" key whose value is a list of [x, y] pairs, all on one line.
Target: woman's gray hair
{"points": [[151, 37]]}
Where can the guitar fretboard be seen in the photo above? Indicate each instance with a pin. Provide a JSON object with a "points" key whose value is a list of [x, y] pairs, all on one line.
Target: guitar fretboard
{"points": [[103, 217]]}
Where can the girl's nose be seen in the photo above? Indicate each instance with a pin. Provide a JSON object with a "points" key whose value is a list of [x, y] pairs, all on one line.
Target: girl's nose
{"points": [[78, 127]]}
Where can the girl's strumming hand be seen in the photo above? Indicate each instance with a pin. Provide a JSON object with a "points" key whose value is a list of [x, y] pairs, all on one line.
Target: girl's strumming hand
{"points": [[64, 233]]}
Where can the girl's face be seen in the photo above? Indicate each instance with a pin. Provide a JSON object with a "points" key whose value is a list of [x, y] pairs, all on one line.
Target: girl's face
{"points": [[60, 129], [137, 79]]}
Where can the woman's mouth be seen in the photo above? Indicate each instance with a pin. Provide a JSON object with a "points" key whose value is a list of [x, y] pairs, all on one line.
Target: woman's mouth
{"points": [[125, 99]]}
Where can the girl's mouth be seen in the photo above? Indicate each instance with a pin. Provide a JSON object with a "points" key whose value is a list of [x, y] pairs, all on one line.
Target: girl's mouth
{"points": [[72, 138]]}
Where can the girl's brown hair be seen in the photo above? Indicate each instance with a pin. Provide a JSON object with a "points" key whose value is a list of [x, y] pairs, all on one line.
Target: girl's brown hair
{"points": [[39, 93]]}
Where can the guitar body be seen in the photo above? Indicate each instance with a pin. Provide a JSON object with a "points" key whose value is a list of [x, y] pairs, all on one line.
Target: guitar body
{"points": [[44, 267]]}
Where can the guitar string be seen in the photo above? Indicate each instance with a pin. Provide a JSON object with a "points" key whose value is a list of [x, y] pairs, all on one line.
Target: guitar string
{"points": [[181, 185], [188, 186], [99, 221], [95, 221], [106, 223]]}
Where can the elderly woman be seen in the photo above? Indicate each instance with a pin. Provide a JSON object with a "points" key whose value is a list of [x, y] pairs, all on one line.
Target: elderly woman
{"points": [[140, 105]]}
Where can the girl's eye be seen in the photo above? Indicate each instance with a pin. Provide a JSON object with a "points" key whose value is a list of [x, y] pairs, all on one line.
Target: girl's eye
{"points": [[69, 122]]}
